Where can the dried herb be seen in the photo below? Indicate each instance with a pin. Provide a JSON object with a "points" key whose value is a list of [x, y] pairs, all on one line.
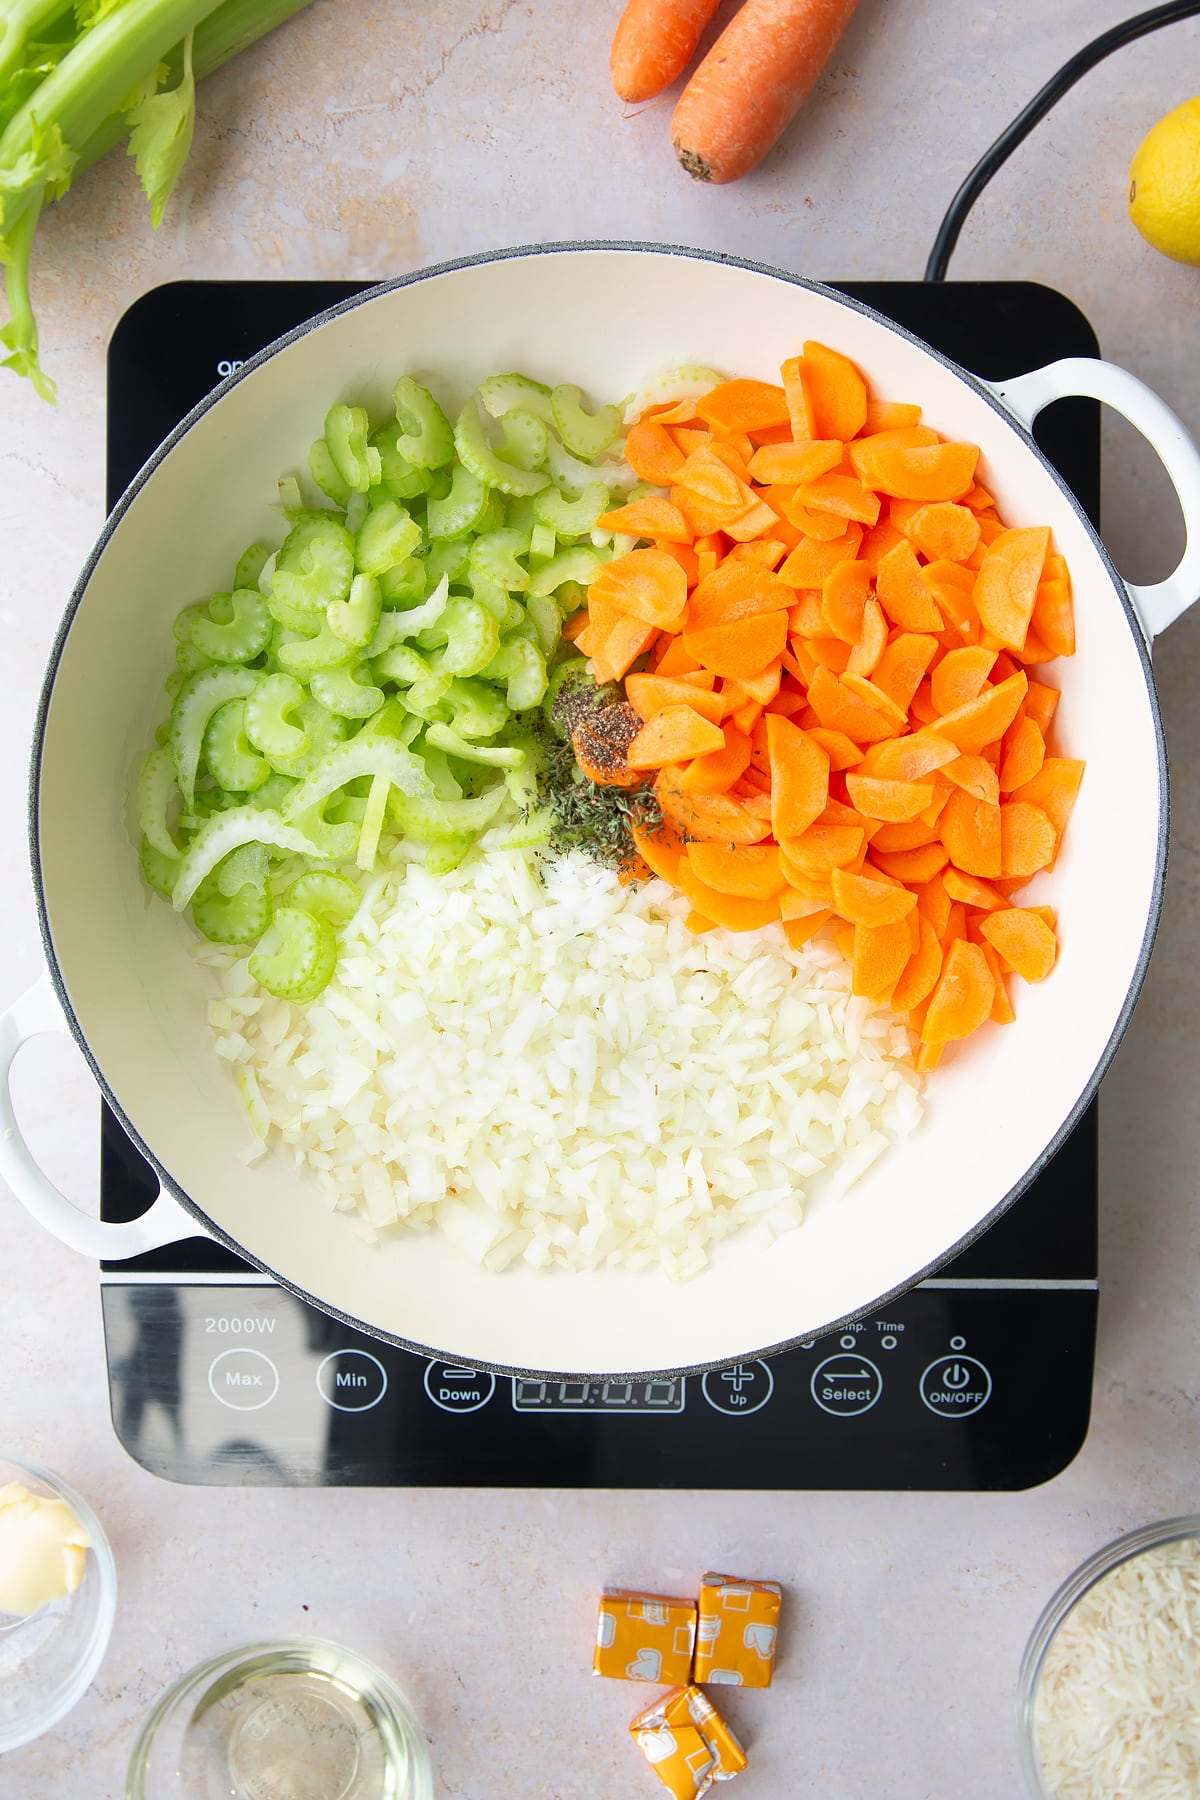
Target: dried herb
{"points": [[593, 819]]}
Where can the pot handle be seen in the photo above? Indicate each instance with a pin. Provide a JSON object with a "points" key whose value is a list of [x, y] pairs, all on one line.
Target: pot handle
{"points": [[165, 1222], [1161, 603]]}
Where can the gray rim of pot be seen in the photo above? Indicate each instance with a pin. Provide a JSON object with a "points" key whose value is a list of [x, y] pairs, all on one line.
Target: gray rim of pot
{"points": [[574, 248]]}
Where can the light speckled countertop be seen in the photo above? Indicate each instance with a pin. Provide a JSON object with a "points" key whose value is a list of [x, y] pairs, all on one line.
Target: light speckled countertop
{"points": [[365, 139]]}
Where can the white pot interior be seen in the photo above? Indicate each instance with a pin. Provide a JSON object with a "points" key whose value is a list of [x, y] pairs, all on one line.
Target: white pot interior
{"points": [[606, 319]]}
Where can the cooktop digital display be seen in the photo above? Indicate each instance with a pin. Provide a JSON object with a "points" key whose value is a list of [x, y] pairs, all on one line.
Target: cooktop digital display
{"points": [[979, 1378]]}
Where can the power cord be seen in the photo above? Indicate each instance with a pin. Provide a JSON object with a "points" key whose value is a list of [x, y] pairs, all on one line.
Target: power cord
{"points": [[1016, 133]]}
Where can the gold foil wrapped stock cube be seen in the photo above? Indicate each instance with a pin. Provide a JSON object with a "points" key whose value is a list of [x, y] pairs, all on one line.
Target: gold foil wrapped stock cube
{"points": [[737, 1630], [687, 1743], [645, 1637]]}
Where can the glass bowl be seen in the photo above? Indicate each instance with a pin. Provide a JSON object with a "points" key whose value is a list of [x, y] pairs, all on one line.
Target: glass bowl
{"points": [[49, 1658], [1058, 1609], [298, 1717]]}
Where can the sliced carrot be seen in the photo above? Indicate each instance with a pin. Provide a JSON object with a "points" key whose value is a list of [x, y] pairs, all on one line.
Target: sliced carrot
{"points": [[792, 700], [683, 554], [743, 648], [743, 406], [983, 720], [735, 449], [749, 872], [837, 392], [820, 849], [844, 595], [1028, 839], [963, 997], [960, 676], [826, 527], [874, 696], [800, 415], [1007, 584], [909, 758], [934, 904], [696, 922], [842, 751], [901, 667], [601, 743], [674, 735], [921, 971], [652, 454], [689, 437], [717, 772], [869, 899], [799, 777], [810, 562], [878, 957], [745, 717], [895, 802], [871, 646], [736, 591], [1024, 940], [650, 694], [660, 849], [904, 594], [1024, 754], [729, 910], [887, 415], [794, 462], [671, 659], [644, 584], [943, 528], [651, 517], [711, 816], [912, 867], [615, 640], [864, 450], [799, 929], [1041, 704], [972, 892], [971, 833], [807, 617], [839, 709], [1054, 617], [1054, 789], [762, 552], [976, 776], [891, 838], [840, 494], [575, 626], [878, 541], [928, 472]]}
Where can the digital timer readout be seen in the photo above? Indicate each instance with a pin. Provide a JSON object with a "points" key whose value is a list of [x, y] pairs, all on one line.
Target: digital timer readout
{"points": [[598, 1396]]}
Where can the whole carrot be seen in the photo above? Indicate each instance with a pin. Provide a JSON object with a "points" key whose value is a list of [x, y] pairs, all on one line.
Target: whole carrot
{"points": [[654, 43], [753, 81]]}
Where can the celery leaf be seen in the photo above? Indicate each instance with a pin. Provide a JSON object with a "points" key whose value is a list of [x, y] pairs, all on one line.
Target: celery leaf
{"points": [[161, 136], [47, 165]]}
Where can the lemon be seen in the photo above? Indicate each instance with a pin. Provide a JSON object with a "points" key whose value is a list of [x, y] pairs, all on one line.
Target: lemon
{"points": [[1164, 184]]}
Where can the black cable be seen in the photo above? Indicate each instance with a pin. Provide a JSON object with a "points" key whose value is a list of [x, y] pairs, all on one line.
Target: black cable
{"points": [[1039, 106]]}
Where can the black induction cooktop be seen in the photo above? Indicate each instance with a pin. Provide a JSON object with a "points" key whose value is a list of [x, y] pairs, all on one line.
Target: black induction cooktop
{"points": [[980, 1378]]}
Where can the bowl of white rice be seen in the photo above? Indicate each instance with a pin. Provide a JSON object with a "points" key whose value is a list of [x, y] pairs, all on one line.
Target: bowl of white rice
{"points": [[1108, 1698]]}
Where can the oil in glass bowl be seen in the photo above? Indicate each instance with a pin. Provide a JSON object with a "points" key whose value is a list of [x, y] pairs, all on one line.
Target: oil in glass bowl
{"points": [[299, 1719]]}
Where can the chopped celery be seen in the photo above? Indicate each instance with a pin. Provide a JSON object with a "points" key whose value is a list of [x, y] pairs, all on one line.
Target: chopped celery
{"points": [[228, 754], [322, 729], [499, 756], [401, 664], [357, 508], [573, 476], [405, 583], [324, 651], [569, 518], [443, 858], [393, 626], [388, 535], [341, 691], [494, 558], [438, 821], [227, 831], [250, 565], [425, 439], [476, 710], [525, 440], [470, 635], [244, 635], [579, 563], [543, 542], [446, 785], [161, 872], [446, 560], [356, 619], [266, 727], [372, 823], [460, 510], [542, 612], [586, 434], [331, 842], [156, 789], [249, 864], [237, 918], [347, 430], [522, 667], [198, 700], [324, 472], [501, 394], [478, 455], [190, 661], [359, 756], [399, 478], [325, 895], [303, 961], [315, 563]]}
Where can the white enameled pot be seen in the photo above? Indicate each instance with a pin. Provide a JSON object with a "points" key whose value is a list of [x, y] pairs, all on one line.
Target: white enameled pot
{"points": [[118, 971]]}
